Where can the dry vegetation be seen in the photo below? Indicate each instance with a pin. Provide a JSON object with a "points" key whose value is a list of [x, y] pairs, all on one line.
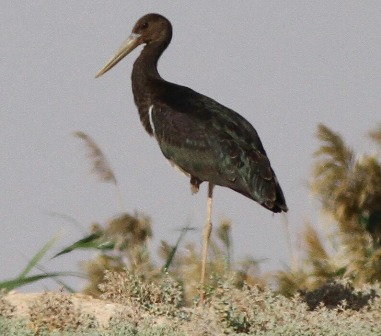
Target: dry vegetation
{"points": [[131, 306], [334, 290]]}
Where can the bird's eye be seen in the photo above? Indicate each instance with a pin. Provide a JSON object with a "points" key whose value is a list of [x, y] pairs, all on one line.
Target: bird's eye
{"points": [[144, 25]]}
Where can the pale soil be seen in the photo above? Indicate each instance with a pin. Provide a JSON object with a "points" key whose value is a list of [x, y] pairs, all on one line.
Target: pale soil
{"points": [[86, 305]]}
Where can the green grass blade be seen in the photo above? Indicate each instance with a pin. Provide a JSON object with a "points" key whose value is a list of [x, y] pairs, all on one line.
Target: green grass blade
{"points": [[68, 288], [19, 282], [90, 242], [169, 260], [37, 257]]}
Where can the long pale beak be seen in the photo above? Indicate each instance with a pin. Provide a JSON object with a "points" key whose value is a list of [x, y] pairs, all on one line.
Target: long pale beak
{"points": [[130, 44]]}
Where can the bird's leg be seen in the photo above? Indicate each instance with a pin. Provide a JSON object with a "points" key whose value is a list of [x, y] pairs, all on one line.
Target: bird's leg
{"points": [[206, 236], [195, 184]]}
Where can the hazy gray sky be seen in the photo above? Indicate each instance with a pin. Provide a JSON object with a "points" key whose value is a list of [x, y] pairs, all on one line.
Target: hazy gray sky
{"points": [[284, 65]]}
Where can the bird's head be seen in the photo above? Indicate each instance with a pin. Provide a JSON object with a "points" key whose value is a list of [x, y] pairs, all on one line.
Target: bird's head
{"points": [[151, 28]]}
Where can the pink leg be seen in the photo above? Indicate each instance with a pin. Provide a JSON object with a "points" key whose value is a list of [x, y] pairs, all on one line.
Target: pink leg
{"points": [[207, 232]]}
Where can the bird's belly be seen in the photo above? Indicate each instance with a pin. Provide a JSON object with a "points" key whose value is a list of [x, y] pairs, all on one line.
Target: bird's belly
{"points": [[178, 168], [191, 162]]}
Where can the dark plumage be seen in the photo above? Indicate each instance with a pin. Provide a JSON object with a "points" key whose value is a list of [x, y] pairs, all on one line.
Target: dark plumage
{"points": [[206, 140]]}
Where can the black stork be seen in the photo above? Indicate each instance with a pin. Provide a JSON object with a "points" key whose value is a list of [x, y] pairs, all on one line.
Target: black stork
{"points": [[204, 139]]}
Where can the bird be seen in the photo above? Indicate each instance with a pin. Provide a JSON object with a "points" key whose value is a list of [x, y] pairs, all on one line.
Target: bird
{"points": [[202, 138]]}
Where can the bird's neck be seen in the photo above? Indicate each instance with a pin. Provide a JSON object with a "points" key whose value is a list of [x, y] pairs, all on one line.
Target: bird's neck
{"points": [[144, 75], [145, 66]]}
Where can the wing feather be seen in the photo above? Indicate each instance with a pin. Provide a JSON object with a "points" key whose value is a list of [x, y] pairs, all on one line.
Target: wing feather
{"points": [[215, 144]]}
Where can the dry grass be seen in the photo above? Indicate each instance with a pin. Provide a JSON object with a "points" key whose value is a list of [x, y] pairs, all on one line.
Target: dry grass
{"points": [[136, 307], [333, 290]]}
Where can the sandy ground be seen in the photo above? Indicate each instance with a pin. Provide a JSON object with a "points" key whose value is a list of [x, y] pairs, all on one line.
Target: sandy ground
{"points": [[100, 309]]}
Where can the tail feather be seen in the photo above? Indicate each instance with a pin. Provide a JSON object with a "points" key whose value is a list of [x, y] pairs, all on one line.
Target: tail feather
{"points": [[262, 183]]}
